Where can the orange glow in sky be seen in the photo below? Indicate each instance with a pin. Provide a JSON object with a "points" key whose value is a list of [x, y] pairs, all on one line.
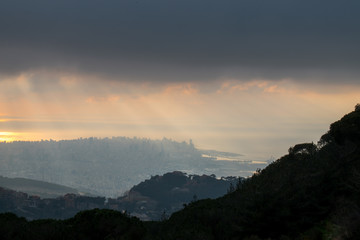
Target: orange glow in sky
{"points": [[253, 87], [257, 118], [8, 136]]}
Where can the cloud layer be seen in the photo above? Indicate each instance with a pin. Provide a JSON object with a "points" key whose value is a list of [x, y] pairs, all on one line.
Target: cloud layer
{"points": [[249, 76], [183, 40]]}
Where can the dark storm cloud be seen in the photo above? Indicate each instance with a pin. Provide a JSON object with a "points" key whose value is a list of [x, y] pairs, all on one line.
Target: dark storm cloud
{"points": [[182, 39]]}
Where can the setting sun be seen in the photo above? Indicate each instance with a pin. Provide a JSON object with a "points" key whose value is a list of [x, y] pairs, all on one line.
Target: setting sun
{"points": [[7, 136]]}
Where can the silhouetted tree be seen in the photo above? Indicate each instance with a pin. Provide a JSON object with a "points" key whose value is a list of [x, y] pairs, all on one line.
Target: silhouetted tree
{"points": [[231, 188], [357, 107], [164, 216]]}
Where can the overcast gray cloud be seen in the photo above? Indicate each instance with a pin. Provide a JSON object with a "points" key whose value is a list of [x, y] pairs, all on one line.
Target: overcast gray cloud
{"points": [[183, 39]]}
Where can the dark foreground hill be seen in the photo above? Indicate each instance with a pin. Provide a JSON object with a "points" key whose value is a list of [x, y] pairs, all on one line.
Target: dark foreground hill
{"points": [[311, 193]]}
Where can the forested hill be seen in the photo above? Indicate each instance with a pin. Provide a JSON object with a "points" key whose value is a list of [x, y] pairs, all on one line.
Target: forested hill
{"points": [[311, 193], [158, 197]]}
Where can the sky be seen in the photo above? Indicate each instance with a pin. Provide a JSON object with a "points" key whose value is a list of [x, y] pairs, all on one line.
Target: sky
{"points": [[247, 76]]}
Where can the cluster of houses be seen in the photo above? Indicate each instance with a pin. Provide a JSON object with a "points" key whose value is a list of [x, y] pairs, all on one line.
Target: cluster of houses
{"points": [[34, 207]]}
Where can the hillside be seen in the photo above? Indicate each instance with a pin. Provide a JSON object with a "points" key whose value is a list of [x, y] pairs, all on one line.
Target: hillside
{"points": [[313, 192], [36, 187], [158, 197], [152, 199]]}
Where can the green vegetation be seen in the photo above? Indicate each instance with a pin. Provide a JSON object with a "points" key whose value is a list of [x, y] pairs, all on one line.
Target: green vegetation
{"points": [[311, 193]]}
